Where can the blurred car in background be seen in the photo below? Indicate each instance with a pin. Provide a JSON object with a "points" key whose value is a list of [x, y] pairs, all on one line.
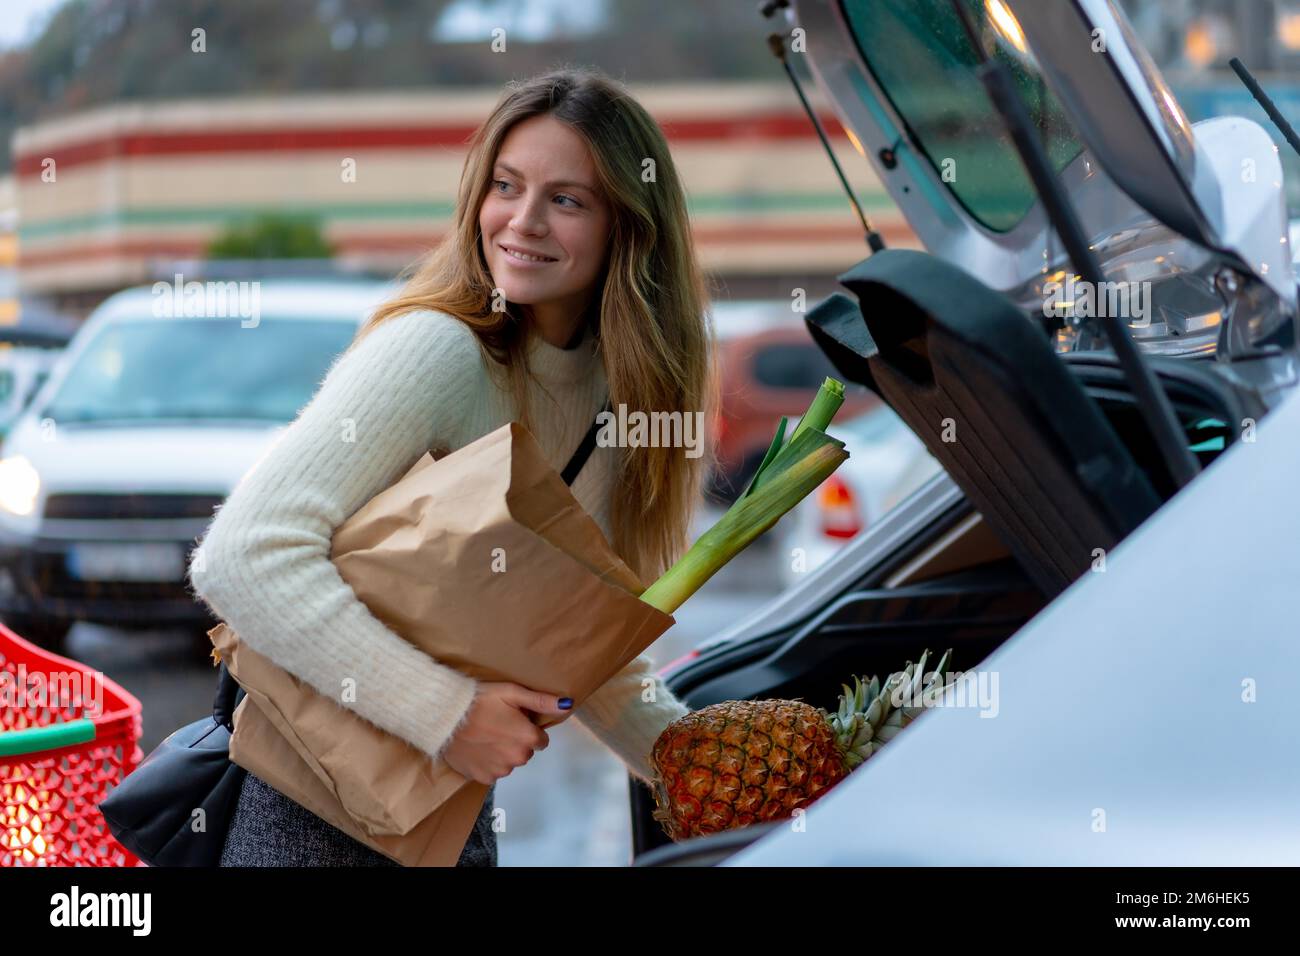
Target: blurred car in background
{"points": [[23, 369], [769, 367], [887, 462], [32, 335], [111, 474]]}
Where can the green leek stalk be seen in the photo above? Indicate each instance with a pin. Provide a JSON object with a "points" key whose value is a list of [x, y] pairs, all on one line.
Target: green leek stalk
{"points": [[825, 404], [788, 474]]}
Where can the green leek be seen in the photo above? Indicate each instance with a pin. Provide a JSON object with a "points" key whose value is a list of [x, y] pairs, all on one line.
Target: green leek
{"points": [[790, 471]]}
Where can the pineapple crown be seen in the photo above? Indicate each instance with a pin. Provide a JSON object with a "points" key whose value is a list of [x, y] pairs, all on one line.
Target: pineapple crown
{"points": [[867, 719]]}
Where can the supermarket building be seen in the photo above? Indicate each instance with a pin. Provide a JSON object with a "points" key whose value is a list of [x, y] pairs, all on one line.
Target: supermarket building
{"points": [[114, 196]]}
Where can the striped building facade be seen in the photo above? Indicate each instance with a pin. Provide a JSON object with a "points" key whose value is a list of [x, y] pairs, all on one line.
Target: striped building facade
{"points": [[107, 198]]}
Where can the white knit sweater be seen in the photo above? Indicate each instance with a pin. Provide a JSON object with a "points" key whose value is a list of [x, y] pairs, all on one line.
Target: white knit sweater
{"points": [[416, 382]]}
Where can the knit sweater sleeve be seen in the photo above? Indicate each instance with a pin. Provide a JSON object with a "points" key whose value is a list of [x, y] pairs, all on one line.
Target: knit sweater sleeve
{"points": [[266, 570], [628, 713]]}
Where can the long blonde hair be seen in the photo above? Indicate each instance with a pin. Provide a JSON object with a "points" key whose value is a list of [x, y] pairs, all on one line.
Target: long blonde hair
{"points": [[650, 318]]}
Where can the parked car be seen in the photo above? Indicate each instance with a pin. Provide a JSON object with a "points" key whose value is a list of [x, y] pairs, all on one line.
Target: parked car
{"points": [[886, 464], [769, 368], [32, 335], [1059, 549], [23, 369], [110, 476]]}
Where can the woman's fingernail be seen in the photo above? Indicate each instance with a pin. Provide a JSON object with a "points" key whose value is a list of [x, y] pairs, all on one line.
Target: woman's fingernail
{"points": [[566, 702]]}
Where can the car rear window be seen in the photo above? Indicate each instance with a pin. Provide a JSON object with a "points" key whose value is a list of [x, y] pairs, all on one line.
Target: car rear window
{"points": [[791, 366], [923, 61]]}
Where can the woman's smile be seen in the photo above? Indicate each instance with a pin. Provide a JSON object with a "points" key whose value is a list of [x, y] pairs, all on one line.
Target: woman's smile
{"points": [[519, 257]]}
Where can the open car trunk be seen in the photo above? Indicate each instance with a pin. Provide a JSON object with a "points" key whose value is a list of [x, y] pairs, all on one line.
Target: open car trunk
{"points": [[961, 578], [1049, 461]]}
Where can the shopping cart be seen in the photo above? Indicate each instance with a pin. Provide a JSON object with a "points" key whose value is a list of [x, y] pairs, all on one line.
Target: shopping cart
{"points": [[68, 735]]}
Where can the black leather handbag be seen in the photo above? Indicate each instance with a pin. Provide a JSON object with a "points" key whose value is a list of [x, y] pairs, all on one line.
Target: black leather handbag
{"points": [[175, 808]]}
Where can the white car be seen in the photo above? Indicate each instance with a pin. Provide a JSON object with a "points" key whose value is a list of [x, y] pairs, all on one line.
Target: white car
{"points": [[887, 462], [147, 421]]}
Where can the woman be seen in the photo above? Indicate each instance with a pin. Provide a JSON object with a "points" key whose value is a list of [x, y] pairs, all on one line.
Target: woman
{"points": [[569, 277]]}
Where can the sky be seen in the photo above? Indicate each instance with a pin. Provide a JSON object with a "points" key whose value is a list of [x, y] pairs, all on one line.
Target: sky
{"points": [[467, 19], [471, 20], [21, 17]]}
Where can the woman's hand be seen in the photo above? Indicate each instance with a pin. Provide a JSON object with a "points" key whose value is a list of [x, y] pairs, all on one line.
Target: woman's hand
{"points": [[499, 733]]}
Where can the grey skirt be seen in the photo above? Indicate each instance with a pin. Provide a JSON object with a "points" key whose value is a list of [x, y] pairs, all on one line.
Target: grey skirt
{"points": [[269, 829]]}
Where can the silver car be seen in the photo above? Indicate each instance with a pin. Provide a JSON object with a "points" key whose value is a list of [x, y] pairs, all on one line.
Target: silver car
{"points": [[1122, 607]]}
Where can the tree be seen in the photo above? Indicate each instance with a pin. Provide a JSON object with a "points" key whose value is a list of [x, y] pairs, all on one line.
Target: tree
{"points": [[272, 237]]}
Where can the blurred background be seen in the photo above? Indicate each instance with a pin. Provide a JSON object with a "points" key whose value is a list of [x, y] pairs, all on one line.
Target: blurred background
{"points": [[144, 138]]}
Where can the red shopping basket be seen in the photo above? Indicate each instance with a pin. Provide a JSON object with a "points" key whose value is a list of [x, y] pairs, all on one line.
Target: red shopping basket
{"points": [[68, 735]]}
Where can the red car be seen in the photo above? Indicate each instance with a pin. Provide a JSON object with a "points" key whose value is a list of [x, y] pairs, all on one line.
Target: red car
{"points": [[769, 367]]}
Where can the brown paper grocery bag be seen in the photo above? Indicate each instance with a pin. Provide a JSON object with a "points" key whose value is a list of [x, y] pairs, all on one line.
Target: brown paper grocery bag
{"points": [[486, 561], [438, 840], [414, 784], [421, 555]]}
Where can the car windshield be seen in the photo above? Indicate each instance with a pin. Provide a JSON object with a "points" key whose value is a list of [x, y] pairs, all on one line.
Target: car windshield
{"points": [[921, 58], [199, 368]]}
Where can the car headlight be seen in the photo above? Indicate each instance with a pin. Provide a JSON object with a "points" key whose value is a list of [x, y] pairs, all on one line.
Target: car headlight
{"points": [[19, 485]]}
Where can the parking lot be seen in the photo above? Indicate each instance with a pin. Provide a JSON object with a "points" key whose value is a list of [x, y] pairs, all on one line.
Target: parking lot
{"points": [[990, 310]]}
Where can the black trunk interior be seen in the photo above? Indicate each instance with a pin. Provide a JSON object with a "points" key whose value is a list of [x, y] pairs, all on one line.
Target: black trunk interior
{"points": [[866, 631]]}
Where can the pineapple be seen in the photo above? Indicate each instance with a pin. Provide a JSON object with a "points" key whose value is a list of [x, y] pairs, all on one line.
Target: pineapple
{"points": [[747, 761]]}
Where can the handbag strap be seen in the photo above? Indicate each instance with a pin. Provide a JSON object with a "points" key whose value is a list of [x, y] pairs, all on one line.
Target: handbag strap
{"points": [[584, 450], [229, 694]]}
